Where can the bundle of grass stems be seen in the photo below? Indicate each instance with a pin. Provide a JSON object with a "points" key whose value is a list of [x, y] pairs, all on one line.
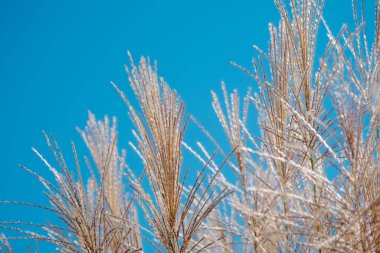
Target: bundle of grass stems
{"points": [[306, 178]]}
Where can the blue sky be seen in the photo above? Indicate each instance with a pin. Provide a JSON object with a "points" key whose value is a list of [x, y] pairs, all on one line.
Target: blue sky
{"points": [[57, 59]]}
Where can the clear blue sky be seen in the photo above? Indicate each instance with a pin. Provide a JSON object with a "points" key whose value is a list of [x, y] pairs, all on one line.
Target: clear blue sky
{"points": [[57, 59]]}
